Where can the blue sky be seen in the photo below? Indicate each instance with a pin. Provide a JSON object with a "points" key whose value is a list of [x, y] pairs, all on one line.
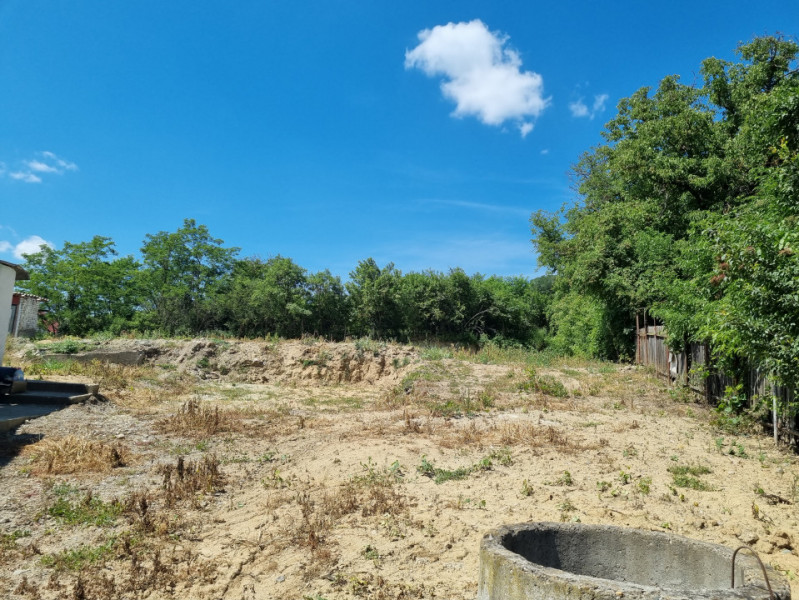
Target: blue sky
{"points": [[422, 133]]}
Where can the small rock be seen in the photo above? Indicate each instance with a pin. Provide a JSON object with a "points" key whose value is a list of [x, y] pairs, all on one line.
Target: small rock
{"points": [[461, 553], [787, 552], [781, 539], [120, 436], [749, 537], [764, 547], [280, 579]]}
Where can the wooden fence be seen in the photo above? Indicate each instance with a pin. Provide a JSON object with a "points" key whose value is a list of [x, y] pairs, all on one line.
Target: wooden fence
{"points": [[693, 367]]}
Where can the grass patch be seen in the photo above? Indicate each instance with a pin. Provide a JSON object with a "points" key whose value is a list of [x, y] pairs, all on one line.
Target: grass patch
{"points": [[71, 455], [9, 540], [65, 346], [198, 420], [367, 345], [87, 511], [190, 480], [435, 353], [687, 476], [543, 384], [695, 470], [78, 558], [428, 469]]}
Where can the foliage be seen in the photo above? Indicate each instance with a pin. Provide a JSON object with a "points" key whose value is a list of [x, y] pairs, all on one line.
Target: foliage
{"points": [[87, 511], [687, 476], [689, 208], [189, 283], [183, 271], [78, 558], [88, 288]]}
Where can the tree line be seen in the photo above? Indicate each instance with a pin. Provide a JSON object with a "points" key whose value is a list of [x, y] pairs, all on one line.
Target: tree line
{"points": [[189, 283], [689, 208]]}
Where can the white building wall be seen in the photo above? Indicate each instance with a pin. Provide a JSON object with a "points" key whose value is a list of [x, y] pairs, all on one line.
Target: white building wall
{"points": [[7, 278]]}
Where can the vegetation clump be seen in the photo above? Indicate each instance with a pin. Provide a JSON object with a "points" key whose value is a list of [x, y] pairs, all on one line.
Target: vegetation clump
{"points": [[72, 454]]}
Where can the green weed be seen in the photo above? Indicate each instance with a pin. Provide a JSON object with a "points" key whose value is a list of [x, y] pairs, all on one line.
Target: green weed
{"points": [[65, 346], [88, 511], [527, 489], [78, 558], [687, 476], [544, 384], [435, 353], [428, 469]]}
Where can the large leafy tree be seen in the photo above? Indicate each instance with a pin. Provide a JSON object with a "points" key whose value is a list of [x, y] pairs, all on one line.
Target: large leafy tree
{"points": [[183, 270], [375, 299], [688, 179], [89, 288], [272, 296], [328, 305]]}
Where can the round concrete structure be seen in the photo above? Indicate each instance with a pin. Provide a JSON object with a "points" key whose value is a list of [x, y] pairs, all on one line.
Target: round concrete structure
{"points": [[560, 561]]}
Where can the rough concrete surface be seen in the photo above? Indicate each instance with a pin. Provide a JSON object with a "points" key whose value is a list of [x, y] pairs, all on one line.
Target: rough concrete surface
{"points": [[570, 560]]}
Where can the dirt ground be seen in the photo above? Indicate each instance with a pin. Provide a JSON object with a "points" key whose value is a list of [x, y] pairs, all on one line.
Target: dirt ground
{"points": [[313, 470]]}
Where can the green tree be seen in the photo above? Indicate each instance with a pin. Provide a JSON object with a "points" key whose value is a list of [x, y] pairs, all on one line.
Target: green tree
{"points": [[89, 289], [685, 180], [183, 271], [328, 305], [374, 299]]}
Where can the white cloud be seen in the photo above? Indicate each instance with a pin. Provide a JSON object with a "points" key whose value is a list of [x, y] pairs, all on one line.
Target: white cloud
{"points": [[63, 165], [579, 108], [481, 75], [496, 208], [35, 165], [30, 245], [5, 246], [32, 170], [25, 176], [599, 103], [545, 151]]}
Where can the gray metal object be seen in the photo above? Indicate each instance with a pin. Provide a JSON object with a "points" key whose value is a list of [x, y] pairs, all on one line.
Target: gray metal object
{"points": [[12, 380], [570, 561]]}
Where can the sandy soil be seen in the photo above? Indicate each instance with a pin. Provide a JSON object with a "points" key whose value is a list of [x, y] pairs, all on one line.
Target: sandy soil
{"points": [[323, 461]]}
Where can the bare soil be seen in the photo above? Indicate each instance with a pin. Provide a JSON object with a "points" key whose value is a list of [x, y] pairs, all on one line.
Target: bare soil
{"points": [[244, 470]]}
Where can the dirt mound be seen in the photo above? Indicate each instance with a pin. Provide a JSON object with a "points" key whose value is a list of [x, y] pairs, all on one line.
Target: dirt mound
{"points": [[311, 361]]}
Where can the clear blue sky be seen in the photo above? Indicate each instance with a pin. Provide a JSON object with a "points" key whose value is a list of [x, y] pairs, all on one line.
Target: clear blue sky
{"points": [[328, 131]]}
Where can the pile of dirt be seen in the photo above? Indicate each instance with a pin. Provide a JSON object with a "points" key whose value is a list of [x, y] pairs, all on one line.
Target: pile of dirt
{"points": [[309, 361]]}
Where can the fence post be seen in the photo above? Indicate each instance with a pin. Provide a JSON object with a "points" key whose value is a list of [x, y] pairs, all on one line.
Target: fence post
{"points": [[637, 339], [774, 412]]}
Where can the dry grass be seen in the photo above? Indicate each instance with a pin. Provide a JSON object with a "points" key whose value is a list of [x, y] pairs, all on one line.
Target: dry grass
{"points": [[195, 419], [189, 480], [313, 524], [73, 455], [528, 434]]}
